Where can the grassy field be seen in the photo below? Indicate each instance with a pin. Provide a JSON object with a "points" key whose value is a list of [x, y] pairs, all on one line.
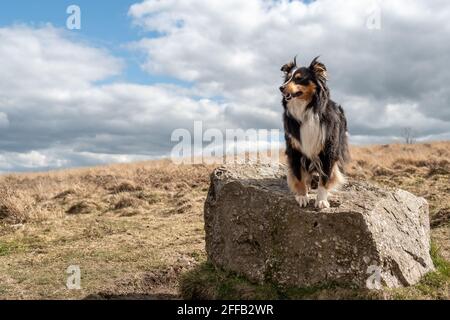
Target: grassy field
{"points": [[136, 230]]}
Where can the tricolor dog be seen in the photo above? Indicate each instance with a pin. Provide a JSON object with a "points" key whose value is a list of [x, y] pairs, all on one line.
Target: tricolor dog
{"points": [[315, 132]]}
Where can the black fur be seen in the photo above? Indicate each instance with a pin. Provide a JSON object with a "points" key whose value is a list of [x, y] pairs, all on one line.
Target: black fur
{"points": [[331, 115]]}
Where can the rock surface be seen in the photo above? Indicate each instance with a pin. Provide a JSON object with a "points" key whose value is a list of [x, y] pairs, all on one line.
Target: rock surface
{"points": [[369, 236]]}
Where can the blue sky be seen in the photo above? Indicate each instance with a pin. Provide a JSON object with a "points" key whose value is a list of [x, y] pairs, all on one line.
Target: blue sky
{"points": [[104, 23], [102, 19]]}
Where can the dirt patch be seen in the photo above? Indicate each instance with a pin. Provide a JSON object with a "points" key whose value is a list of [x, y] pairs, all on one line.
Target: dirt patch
{"points": [[9, 211], [125, 186], [128, 202], [153, 285], [65, 194], [83, 207], [381, 171]]}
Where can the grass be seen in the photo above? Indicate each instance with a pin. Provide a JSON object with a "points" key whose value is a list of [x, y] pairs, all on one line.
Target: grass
{"points": [[436, 284], [6, 249], [19, 245], [136, 230], [206, 282]]}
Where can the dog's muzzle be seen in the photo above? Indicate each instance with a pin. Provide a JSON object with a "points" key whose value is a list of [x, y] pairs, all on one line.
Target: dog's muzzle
{"points": [[288, 96]]}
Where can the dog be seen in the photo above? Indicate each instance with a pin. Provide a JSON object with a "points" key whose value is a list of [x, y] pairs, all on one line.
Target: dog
{"points": [[315, 132]]}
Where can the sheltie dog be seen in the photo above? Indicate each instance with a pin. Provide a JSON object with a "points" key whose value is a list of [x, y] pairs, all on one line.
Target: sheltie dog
{"points": [[315, 131]]}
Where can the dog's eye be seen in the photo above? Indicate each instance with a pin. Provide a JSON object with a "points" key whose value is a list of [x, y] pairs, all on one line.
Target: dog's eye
{"points": [[302, 81]]}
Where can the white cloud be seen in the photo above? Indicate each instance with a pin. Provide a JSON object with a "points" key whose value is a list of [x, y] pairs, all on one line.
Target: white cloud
{"points": [[50, 101], [234, 49], [28, 161], [60, 62], [56, 158]]}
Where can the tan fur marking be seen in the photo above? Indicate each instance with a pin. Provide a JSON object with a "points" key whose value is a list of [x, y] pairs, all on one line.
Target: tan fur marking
{"points": [[320, 70], [287, 67], [308, 90], [291, 88], [297, 186], [336, 179], [295, 144], [307, 178]]}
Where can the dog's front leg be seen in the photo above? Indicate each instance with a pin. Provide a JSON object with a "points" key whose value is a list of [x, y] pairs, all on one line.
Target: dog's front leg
{"points": [[299, 187], [327, 183], [322, 197], [297, 179]]}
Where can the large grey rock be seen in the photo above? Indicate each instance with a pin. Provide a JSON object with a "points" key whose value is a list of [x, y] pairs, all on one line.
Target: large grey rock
{"points": [[369, 236]]}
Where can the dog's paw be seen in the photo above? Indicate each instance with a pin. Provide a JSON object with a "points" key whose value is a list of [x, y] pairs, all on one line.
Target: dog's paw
{"points": [[302, 200], [322, 204]]}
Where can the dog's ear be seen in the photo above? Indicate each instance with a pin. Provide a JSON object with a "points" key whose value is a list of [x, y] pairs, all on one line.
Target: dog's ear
{"points": [[287, 67], [319, 69]]}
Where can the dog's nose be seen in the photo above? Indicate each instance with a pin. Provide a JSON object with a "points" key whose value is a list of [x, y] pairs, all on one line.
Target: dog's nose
{"points": [[282, 89]]}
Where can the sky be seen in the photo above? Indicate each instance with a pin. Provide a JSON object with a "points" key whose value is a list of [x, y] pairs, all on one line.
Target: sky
{"points": [[115, 90]]}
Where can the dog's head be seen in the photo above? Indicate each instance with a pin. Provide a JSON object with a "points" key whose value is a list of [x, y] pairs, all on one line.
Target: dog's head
{"points": [[303, 82]]}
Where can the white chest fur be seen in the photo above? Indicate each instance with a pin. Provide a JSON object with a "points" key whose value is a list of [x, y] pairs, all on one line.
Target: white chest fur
{"points": [[312, 132]]}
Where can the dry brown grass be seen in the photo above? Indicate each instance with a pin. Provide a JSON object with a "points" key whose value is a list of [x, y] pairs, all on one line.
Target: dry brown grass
{"points": [[431, 158], [134, 228], [46, 196], [423, 169]]}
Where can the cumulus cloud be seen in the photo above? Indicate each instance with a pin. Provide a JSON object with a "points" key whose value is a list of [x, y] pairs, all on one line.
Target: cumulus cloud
{"points": [[55, 114], [386, 78]]}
